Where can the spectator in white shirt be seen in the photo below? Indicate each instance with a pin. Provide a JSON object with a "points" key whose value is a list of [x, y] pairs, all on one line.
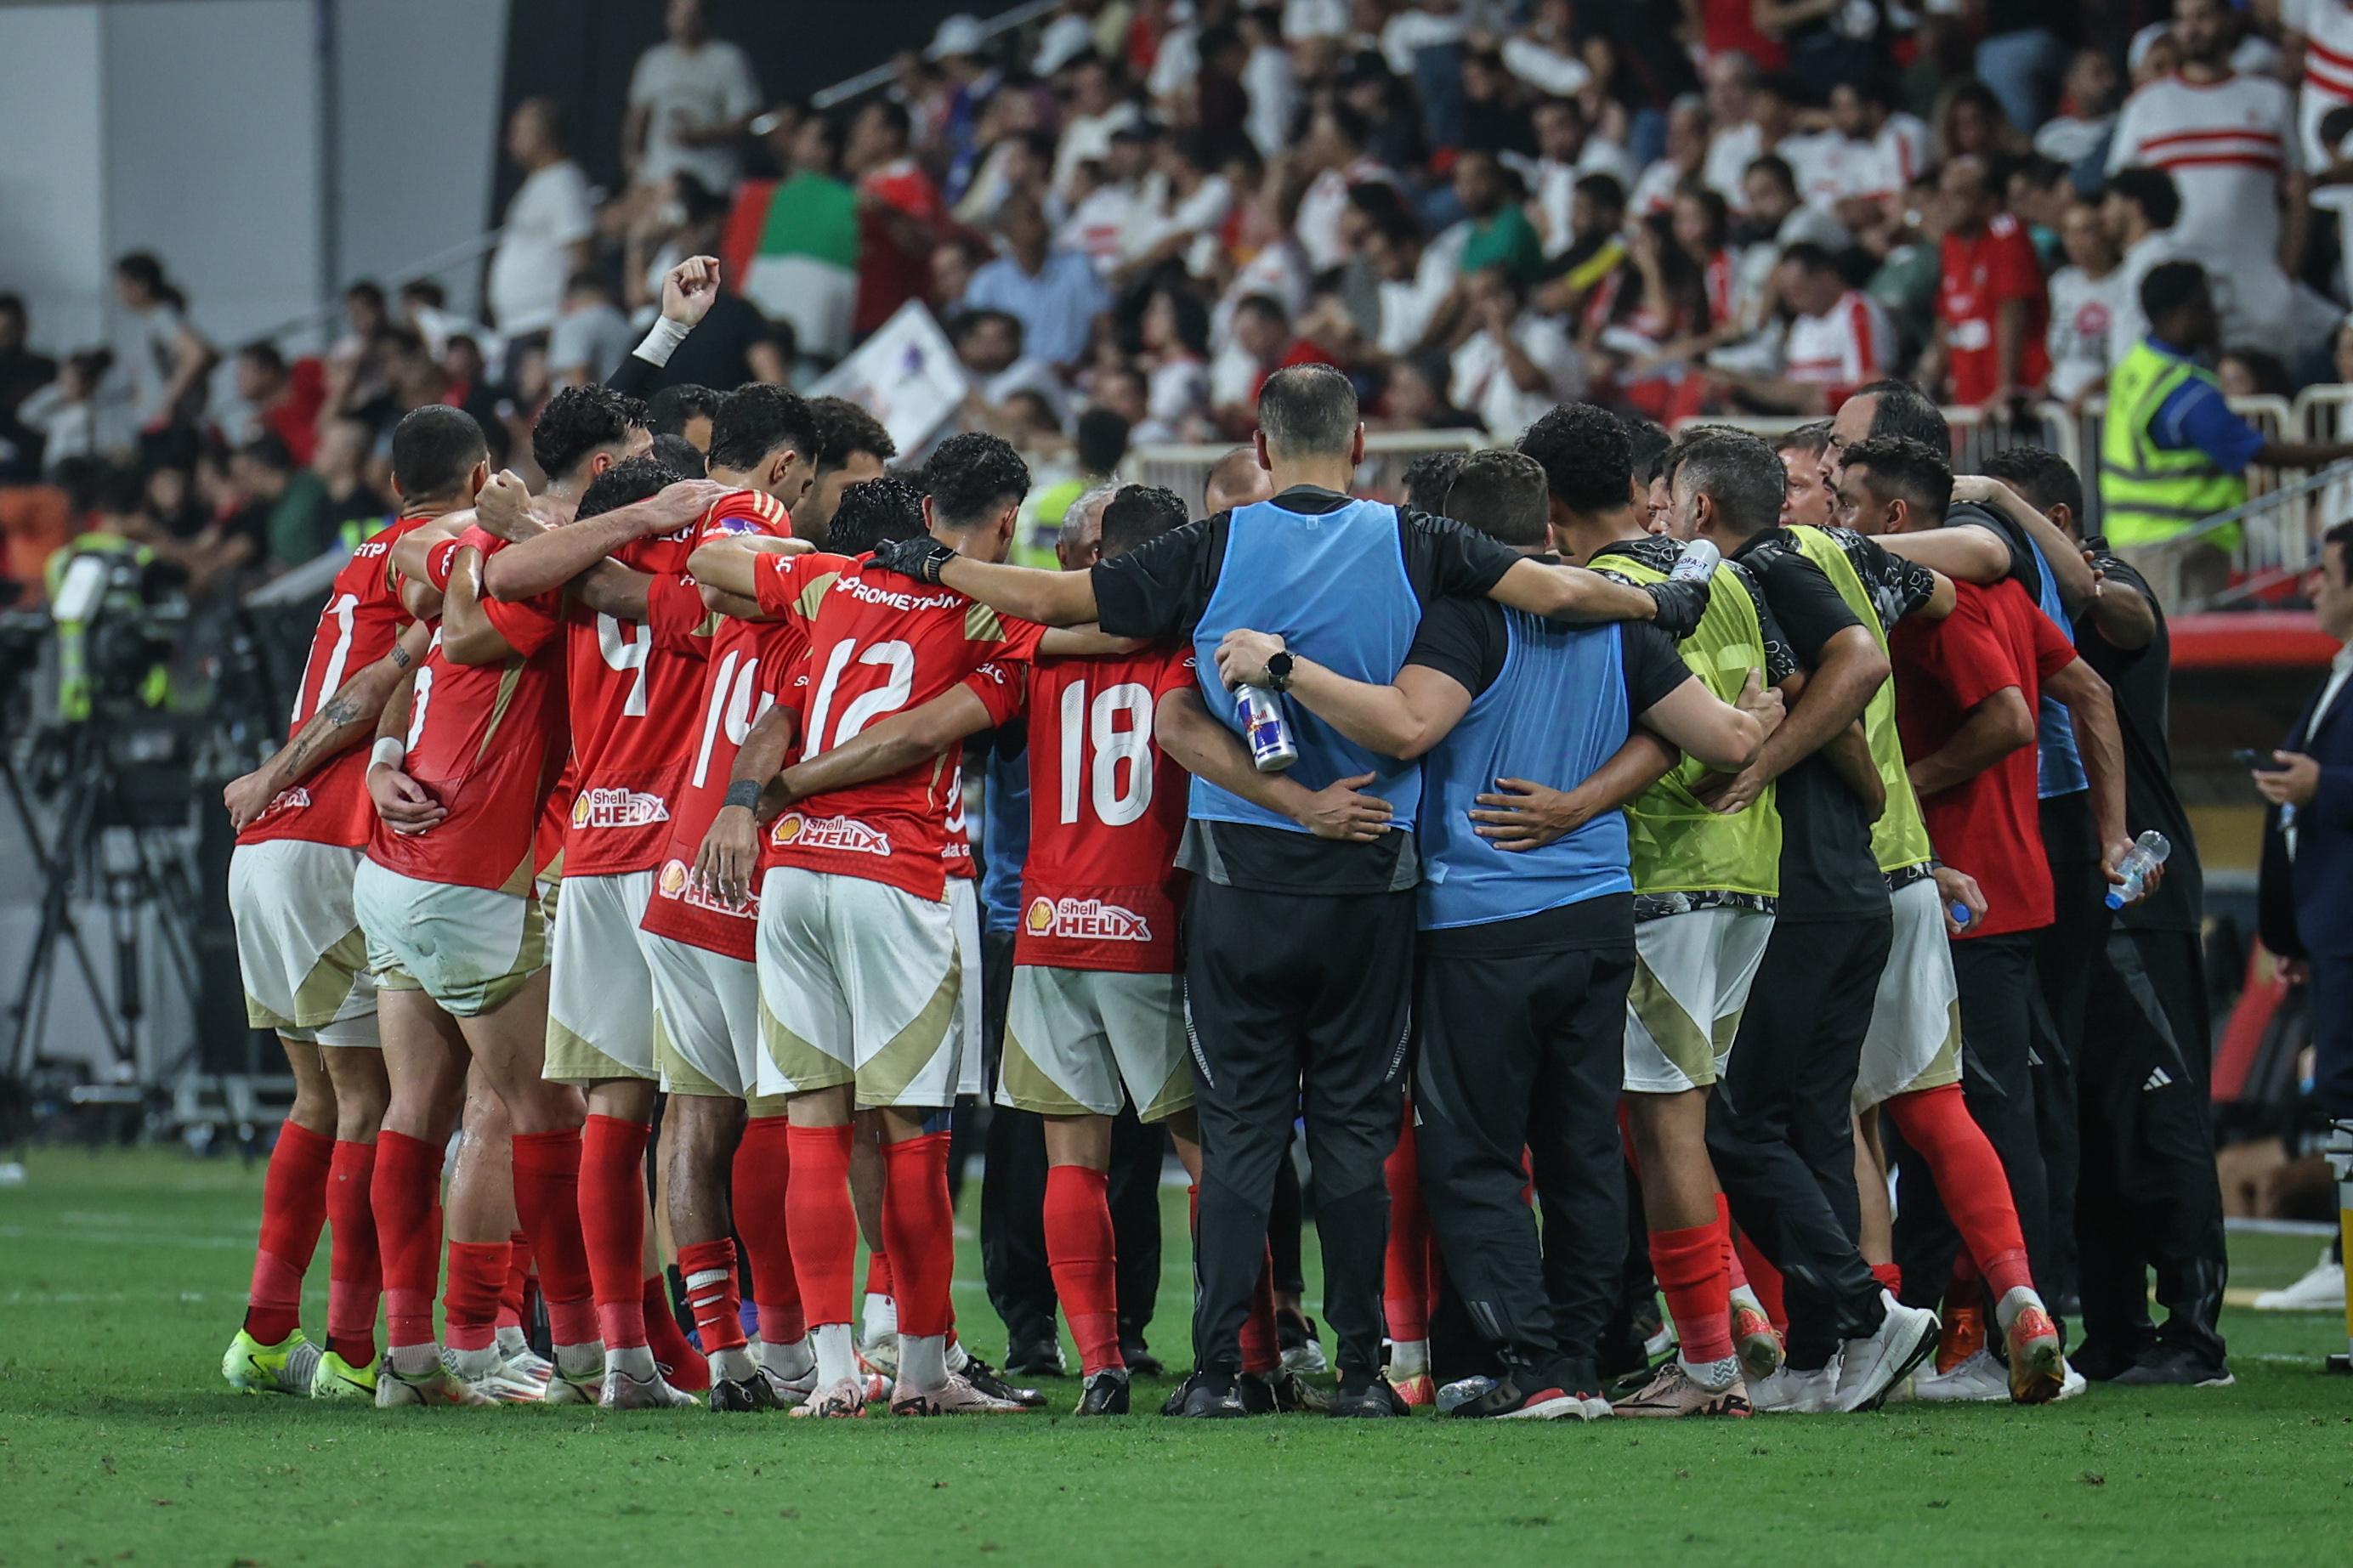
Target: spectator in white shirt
{"points": [[1268, 79], [2137, 207], [549, 222], [1873, 152], [1688, 130], [1335, 150], [2085, 296], [1098, 108], [2089, 99], [690, 98], [1416, 281], [989, 345], [1567, 151], [1840, 338], [1777, 220], [1753, 115], [1515, 365], [590, 335], [1175, 332], [1104, 193], [168, 360], [1177, 212]]}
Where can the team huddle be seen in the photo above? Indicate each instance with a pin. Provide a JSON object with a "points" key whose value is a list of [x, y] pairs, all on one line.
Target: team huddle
{"points": [[1659, 825]]}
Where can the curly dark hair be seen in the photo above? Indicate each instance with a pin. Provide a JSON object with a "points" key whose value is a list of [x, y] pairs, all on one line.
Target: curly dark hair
{"points": [[1588, 460], [1138, 514], [1428, 478], [576, 421], [874, 512], [631, 481], [756, 419], [843, 428], [972, 477]]}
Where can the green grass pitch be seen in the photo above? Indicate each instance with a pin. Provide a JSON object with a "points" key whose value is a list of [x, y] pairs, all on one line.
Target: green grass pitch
{"points": [[125, 1276]]}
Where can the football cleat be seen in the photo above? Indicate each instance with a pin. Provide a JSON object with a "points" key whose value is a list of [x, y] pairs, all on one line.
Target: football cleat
{"points": [[880, 1353], [1487, 1398], [956, 1396], [1302, 1351], [2038, 1364], [1365, 1395], [1675, 1393], [1141, 1362], [835, 1400], [1962, 1337], [286, 1367], [437, 1386], [1869, 1367], [1106, 1393], [1208, 1394], [1417, 1390], [738, 1394], [624, 1390], [1757, 1341], [485, 1371], [1790, 1391], [791, 1392], [1040, 1357], [986, 1378], [2072, 1384], [339, 1379], [527, 1362], [1980, 1380], [2321, 1289]]}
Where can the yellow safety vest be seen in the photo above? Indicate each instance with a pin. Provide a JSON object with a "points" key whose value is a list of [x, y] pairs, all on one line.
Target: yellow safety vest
{"points": [[2149, 495]]}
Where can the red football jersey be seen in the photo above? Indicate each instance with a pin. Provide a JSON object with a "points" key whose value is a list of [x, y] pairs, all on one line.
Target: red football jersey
{"points": [[635, 696], [1981, 275], [880, 643], [362, 619], [999, 687], [486, 741], [1099, 889]]}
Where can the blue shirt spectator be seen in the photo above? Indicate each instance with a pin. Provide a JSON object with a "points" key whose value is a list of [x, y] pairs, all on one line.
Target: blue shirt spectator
{"points": [[2196, 413], [1054, 294]]}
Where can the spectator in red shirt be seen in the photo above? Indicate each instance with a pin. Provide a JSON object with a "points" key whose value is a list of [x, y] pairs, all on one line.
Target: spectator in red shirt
{"points": [[282, 399], [1991, 304], [898, 213]]}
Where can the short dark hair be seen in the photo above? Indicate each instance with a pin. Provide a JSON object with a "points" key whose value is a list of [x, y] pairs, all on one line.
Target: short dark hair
{"points": [[972, 321], [1428, 478], [1265, 305], [366, 288], [1139, 514], [874, 512], [1805, 253], [678, 452], [843, 428], [1903, 409], [1502, 494], [2168, 287], [1905, 470], [424, 291], [269, 449], [1308, 410], [115, 490], [1602, 191], [1648, 442], [1588, 461], [673, 407], [2340, 536], [626, 482], [1775, 167], [264, 352], [2152, 190], [2043, 477], [434, 447], [971, 476], [1813, 439], [576, 421], [757, 419], [1100, 440], [1736, 471]]}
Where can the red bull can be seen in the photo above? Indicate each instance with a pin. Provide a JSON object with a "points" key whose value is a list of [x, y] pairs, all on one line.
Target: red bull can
{"points": [[1259, 712]]}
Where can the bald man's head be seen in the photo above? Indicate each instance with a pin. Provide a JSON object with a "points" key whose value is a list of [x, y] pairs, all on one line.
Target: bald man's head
{"points": [[1236, 479]]}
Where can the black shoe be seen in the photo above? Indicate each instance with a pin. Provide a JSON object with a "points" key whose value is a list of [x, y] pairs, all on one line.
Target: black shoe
{"points": [[984, 1377], [753, 1393], [1208, 1394], [2177, 1366], [2102, 1360], [1511, 1399], [1294, 1335], [1107, 1394], [1141, 1362], [1036, 1356], [1256, 1390], [1365, 1393]]}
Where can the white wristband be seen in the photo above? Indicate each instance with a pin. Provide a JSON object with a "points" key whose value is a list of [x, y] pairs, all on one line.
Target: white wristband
{"points": [[388, 752], [662, 341]]}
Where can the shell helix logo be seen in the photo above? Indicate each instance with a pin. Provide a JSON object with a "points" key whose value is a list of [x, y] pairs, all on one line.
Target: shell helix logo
{"points": [[1085, 920], [673, 879], [617, 808], [675, 884], [844, 834]]}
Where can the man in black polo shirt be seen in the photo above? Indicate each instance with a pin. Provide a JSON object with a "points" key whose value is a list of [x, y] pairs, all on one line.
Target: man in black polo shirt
{"points": [[2146, 1194], [1299, 951]]}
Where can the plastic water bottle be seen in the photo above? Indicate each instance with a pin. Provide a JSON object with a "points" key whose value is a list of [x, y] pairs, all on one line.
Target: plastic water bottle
{"points": [[2147, 853], [1259, 712], [1698, 562], [1961, 913]]}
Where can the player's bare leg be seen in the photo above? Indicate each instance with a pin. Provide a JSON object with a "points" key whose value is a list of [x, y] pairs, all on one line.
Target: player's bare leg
{"points": [[683, 1365], [1877, 1242], [824, 1241], [878, 1328], [700, 1134], [270, 1354]]}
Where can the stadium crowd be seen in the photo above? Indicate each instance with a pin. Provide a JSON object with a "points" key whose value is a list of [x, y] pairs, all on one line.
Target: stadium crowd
{"points": [[1681, 901]]}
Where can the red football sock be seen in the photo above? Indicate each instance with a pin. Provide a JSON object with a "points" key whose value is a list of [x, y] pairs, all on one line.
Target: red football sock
{"points": [[547, 1202], [685, 1368], [708, 1268], [469, 1306], [1083, 1258], [878, 1264], [294, 1211], [1890, 1278], [354, 1276], [1262, 1350], [405, 1193], [1689, 1264], [1763, 1279], [613, 1225], [821, 1225], [1404, 1266], [1736, 1274], [762, 1185], [1970, 1179], [918, 1232], [510, 1299]]}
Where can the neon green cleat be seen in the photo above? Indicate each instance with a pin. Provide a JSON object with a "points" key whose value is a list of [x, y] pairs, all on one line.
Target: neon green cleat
{"points": [[252, 1367], [339, 1379]]}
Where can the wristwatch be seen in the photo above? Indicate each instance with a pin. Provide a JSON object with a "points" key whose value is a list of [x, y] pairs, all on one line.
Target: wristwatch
{"points": [[1278, 666]]}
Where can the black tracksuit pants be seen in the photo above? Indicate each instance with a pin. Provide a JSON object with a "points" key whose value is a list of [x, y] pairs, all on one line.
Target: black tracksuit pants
{"points": [[1779, 1126], [2067, 953], [2148, 1196], [1521, 1046], [1291, 998]]}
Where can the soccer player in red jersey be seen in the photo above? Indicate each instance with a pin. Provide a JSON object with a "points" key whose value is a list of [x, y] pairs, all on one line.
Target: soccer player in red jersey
{"points": [[860, 981], [302, 818]]}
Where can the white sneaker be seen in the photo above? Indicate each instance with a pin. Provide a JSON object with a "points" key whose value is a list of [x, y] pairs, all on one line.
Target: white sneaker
{"points": [[1790, 1391], [529, 1363], [1979, 1378], [792, 1393], [1870, 1367], [2320, 1291], [880, 1352], [438, 1385], [954, 1397], [623, 1391], [2072, 1384], [484, 1371]]}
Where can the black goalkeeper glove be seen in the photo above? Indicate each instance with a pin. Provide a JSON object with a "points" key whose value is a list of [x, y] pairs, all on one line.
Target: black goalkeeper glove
{"points": [[1680, 605], [920, 557]]}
